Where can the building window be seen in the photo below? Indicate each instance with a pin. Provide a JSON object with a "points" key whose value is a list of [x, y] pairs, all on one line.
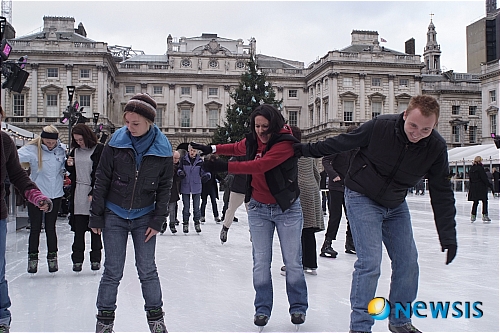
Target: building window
{"points": [[52, 110], [18, 107], [311, 92], [376, 109], [157, 90], [403, 83], [213, 91], [376, 82], [185, 117], [52, 72], [311, 117], [347, 82], [186, 63], [85, 101], [455, 132], [159, 116], [185, 90], [84, 73], [129, 89], [472, 110], [240, 65], [348, 110], [402, 106], [213, 118], [292, 118], [325, 84], [472, 134], [213, 64], [493, 123], [292, 93], [455, 109], [493, 96]]}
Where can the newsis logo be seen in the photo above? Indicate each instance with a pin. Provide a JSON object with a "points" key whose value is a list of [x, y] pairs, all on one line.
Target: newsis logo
{"points": [[380, 308]]}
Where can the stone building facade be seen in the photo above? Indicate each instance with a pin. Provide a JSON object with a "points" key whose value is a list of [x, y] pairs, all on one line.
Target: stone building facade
{"points": [[191, 83]]}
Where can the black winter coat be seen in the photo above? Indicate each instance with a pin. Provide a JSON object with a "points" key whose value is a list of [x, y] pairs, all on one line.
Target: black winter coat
{"points": [[478, 183], [387, 164]]}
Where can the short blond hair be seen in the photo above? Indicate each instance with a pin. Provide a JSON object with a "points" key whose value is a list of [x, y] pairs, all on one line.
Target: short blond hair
{"points": [[478, 160]]}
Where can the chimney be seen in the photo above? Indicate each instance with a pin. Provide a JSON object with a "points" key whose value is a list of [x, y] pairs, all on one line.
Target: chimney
{"points": [[410, 46]]}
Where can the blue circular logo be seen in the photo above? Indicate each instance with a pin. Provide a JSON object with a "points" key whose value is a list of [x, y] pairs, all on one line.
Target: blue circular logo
{"points": [[379, 308]]}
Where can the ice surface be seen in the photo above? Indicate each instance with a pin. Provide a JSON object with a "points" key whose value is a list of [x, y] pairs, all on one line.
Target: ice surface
{"points": [[207, 287]]}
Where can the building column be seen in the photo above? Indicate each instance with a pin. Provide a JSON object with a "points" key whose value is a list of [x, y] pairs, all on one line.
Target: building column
{"points": [[100, 88], [362, 104], [171, 121], [418, 87], [321, 106], [280, 93], [333, 88], [227, 100], [34, 90], [391, 93], [200, 115]]}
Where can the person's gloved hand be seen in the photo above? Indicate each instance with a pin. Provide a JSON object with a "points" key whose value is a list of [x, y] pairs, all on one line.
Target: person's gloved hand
{"points": [[181, 174], [205, 178], [297, 147], [36, 197], [452, 252], [206, 149], [215, 165]]}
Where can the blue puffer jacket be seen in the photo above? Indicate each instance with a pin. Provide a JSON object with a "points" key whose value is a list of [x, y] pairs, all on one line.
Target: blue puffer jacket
{"points": [[191, 184], [49, 178]]}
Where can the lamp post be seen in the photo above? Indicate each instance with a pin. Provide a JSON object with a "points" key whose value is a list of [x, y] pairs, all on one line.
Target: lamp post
{"points": [[70, 111]]}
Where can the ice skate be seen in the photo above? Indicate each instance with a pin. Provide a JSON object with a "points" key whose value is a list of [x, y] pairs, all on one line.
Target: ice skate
{"points": [[197, 226], [4, 328], [260, 321], [185, 227], [173, 230], [217, 220], [202, 220], [95, 266], [327, 251], [77, 267], [52, 262], [32, 263], [105, 321], [223, 234], [406, 328], [163, 228], [486, 219], [297, 319], [472, 218], [156, 321]]}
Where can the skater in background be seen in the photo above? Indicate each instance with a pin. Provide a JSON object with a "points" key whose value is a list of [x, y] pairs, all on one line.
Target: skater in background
{"points": [[478, 189], [174, 197], [46, 157], [310, 201], [82, 165], [395, 152], [192, 176], [210, 188], [274, 204], [131, 195], [496, 181], [236, 196], [323, 185], [336, 167], [11, 168]]}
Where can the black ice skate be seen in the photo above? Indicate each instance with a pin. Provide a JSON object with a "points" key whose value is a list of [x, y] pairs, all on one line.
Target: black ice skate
{"points": [[260, 321], [406, 328], [32, 263], [172, 228], [223, 234], [95, 266], [297, 319], [326, 250], [163, 227], [197, 226], [105, 321], [52, 262], [185, 227], [155, 321], [77, 267]]}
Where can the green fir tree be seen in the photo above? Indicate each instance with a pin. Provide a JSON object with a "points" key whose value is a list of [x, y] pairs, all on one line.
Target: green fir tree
{"points": [[253, 90]]}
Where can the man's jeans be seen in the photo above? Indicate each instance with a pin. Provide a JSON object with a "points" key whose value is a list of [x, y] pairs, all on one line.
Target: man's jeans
{"points": [[372, 224], [4, 291], [114, 236], [196, 207], [263, 219]]}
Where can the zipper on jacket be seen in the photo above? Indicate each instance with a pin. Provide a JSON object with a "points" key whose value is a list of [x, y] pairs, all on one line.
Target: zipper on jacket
{"points": [[390, 178], [135, 183]]}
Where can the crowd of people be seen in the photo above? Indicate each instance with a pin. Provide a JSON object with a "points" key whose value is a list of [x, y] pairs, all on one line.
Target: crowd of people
{"points": [[133, 183]]}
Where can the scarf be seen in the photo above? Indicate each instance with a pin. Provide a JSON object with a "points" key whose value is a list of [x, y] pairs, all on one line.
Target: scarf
{"points": [[141, 145]]}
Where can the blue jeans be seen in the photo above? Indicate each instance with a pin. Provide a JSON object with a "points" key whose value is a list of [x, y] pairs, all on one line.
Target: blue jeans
{"points": [[262, 220], [114, 236], [372, 224], [4, 291], [196, 207]]}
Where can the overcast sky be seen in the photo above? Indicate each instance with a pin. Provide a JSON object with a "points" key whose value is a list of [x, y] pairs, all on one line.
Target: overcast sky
{"points": [[295, 30]]}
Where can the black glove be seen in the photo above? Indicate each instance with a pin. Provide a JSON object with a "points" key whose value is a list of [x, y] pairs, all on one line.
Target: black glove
{"points": [[206, 149], [181, 174], [205, 178], [297, 147], [452, 252], [215, 165]]}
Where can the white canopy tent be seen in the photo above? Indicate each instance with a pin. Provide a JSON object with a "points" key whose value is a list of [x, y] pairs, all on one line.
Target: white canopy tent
{"points": [[489, 153]]}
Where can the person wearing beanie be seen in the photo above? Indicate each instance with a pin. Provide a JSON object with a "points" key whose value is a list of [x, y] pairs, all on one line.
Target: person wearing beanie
{"points": [[11, 168], [46, 157], [131, 195]]}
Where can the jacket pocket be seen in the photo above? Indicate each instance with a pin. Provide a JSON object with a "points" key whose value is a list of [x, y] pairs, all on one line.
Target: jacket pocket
{"points": [[120, 184], [149, 185]]}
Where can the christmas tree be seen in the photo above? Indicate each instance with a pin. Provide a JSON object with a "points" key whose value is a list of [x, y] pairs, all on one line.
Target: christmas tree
{"points": [[253, 90]]}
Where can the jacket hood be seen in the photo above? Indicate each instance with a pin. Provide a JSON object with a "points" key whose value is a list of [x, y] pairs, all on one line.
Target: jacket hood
{"points": [[160, 147]]}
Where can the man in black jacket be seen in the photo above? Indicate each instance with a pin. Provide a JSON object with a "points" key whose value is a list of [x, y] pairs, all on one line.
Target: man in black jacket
{"points": [[395, 151]]}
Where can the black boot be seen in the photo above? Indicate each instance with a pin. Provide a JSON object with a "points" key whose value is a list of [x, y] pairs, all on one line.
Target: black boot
{"points": [[155, 321], [349, 246], [52, 262], [105, 321], [32, 263], [327, 250], [163, 227], [172, 227], [197, 226], [223, 234], [185, 227]]}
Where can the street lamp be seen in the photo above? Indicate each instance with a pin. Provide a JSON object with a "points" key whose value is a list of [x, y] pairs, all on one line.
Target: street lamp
{"points": [[70, 112]]}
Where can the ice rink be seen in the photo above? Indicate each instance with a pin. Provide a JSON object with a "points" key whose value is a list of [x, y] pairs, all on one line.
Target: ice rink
{"points": [[207, 287]]}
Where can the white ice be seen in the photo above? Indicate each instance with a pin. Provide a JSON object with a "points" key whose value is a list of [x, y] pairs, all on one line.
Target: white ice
{"points": [[207, 287]]}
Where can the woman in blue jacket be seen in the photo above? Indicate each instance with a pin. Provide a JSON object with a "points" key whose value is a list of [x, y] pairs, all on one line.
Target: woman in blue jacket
{"points": [[45, 157], [131, 195]]}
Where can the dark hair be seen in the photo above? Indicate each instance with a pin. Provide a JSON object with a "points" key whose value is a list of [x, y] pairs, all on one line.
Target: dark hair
{"points": [[297, 133], [351, 128], [271, 113], [89, 137]]}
